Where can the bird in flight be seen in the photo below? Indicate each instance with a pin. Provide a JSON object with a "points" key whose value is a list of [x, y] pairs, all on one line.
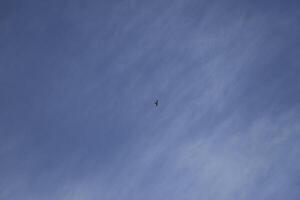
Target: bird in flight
{"points": [[156, 102]]}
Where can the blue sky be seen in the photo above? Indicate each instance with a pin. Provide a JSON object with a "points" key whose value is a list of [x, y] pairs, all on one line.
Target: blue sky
{"points": [[78, 80]]}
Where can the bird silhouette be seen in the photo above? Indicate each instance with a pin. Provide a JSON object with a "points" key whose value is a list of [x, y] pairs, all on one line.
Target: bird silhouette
{"points": [[156, 102]]}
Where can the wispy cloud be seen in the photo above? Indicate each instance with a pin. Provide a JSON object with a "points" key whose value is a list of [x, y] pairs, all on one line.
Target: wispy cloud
{"points": [[78, 83]]}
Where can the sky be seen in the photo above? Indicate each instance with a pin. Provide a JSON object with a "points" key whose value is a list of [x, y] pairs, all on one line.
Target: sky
{"points": [[78, 82]]}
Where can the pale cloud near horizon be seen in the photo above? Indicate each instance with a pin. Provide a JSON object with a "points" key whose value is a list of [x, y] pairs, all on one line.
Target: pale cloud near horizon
{"points": [[215, 166]]}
